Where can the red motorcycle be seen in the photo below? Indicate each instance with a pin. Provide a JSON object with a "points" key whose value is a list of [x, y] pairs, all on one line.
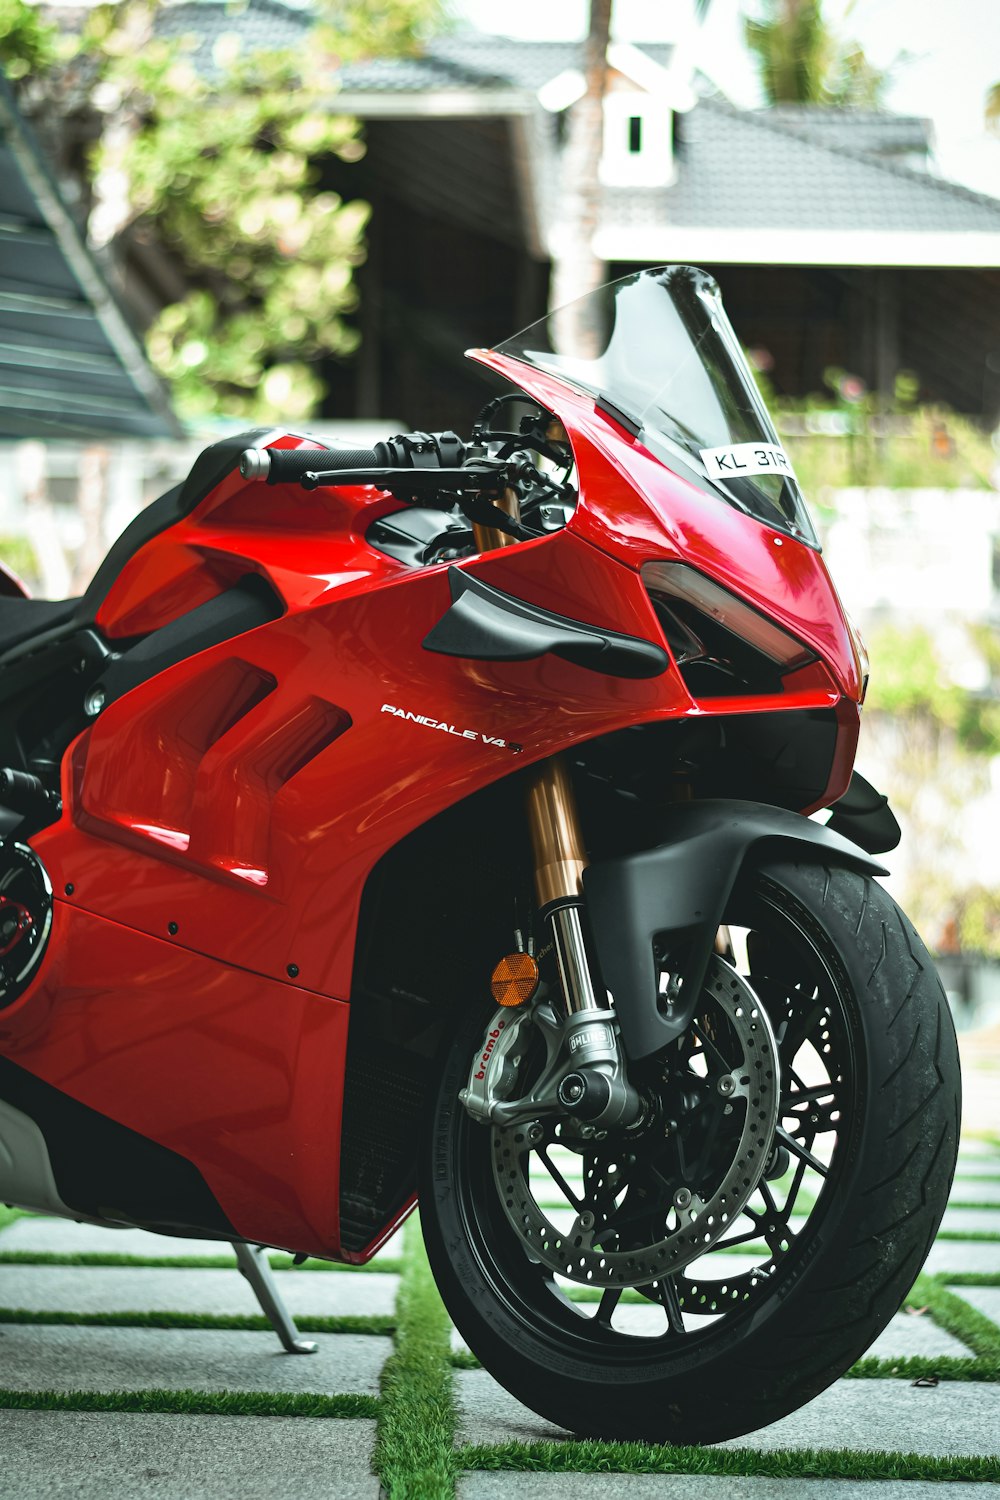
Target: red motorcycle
{"points": [[435, 820]]}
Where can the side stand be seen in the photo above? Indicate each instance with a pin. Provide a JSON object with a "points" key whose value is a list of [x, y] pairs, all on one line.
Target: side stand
{"points": [[253, 1262]]}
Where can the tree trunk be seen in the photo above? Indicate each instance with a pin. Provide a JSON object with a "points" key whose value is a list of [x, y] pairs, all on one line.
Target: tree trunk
{"points": [[576, 270]]}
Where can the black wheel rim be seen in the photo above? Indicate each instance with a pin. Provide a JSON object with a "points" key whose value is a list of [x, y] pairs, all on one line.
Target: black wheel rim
{"points": [[800, 981]]}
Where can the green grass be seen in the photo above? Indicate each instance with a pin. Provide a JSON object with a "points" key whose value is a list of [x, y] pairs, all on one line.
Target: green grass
{"points": [[8, 1215], [195, 1403], [957, 1317], [279, 1262], [974, 1203], [979, 1236], [414, 1455], [250, 1322], [969, 1278], [589, 1457]]}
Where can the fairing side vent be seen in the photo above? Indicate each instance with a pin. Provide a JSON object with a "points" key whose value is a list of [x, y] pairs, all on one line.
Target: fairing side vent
{"points": [[723, 647], [203, 774]]}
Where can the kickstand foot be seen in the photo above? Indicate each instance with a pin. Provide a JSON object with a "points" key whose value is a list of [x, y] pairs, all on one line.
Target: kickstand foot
{"points": [[253, 1262]]}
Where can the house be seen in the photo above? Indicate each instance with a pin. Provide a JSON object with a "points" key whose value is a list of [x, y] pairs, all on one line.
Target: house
{"points": [[834, 244], [71, 366]]}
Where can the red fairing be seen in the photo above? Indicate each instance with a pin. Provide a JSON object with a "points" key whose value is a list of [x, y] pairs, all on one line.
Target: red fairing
{"points": [[239, 1075], [220, 820], [635, 509]]}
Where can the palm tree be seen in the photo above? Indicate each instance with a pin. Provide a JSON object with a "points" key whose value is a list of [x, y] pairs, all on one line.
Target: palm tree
{"points": [[576, 270], [801, 60], [993, 108]]}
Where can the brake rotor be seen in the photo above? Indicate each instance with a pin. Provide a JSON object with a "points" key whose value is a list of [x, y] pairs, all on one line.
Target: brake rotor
{"points": [[693, 1221]]}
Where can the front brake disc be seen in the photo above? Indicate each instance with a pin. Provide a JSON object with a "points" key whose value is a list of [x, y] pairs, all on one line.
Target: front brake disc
{"points": [[700, 1221]]}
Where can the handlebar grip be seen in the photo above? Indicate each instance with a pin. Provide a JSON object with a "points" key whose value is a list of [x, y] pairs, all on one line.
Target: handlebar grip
{"points": [[414, 450], [287, 465]]}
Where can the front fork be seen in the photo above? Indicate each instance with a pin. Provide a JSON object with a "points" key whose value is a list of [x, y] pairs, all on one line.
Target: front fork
{"points": [[592, 1084], [596, 1089]]}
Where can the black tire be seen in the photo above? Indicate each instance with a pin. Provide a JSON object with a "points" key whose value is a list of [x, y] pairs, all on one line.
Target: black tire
{"points": [[841, 1275]]}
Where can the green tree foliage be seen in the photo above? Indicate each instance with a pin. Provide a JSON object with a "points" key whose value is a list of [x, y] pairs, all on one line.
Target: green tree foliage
{"points": [[27, 41], [935, 740], [910, 681], [993, 108], [801, 60], [218, 165]]}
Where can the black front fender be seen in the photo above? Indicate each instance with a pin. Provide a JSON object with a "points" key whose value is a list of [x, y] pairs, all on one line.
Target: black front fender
{"points": [[677, 894]]}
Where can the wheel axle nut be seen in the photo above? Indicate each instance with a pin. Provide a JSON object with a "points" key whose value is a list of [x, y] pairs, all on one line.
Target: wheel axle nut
{"points": [[682, 1198], [572, 1089]]}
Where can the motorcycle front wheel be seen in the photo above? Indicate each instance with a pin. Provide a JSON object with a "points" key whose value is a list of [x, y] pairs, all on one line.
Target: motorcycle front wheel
{"points": [[823, 1252]]}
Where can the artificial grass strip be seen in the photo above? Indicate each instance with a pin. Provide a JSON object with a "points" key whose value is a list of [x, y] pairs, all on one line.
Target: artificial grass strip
{"points": [[969, 1278], [414, 1452], [248, 1323], [588, 1457], [8, 1215], [957, 1317], [980, 1236], [916, 1366], [195, 1403], [464, 1359], [279, 1262], [976, 1203]]}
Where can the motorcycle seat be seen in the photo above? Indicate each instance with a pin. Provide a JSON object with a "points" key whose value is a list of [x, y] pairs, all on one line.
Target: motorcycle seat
{"points": [[20, 619]]}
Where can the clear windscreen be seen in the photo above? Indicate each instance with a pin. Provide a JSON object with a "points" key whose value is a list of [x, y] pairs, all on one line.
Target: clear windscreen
{"points": [[660, 349]]}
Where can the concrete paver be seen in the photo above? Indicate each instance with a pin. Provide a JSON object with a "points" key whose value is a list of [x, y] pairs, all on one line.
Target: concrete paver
{"points": [[65, 1237], [137, 1359], [971, 1220], [950, 1420], [86, 1289], [968, 1256], [56, 1455], [500, 1486], [985, 1299], [37, 1235], [976, 1190]]}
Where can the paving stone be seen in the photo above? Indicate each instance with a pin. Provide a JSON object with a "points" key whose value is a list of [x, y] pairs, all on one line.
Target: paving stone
{"points": [[985, 1299], [500, 1486], [47, 1236], [65, 1237], [971, 1220], [978, 1166], [971, 1147], [909, 1336], [49, 1455], [976, 1190], [954, 1419], [980, 1258], [132, 1359], [87, 1289]]}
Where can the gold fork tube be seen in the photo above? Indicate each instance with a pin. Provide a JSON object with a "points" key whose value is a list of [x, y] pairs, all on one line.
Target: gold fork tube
{"points": [[556, 838], [553, 821]]}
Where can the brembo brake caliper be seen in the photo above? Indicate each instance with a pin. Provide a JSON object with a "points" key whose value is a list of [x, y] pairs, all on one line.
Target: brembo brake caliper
{"points": [[582, 1074]]}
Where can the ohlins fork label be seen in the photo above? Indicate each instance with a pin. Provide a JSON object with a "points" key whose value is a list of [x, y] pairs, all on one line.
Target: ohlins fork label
{"points": [[446, 728]]}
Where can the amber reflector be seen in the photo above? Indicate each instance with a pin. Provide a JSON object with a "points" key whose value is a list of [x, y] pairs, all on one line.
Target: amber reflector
{"points": [[515, 979]]}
